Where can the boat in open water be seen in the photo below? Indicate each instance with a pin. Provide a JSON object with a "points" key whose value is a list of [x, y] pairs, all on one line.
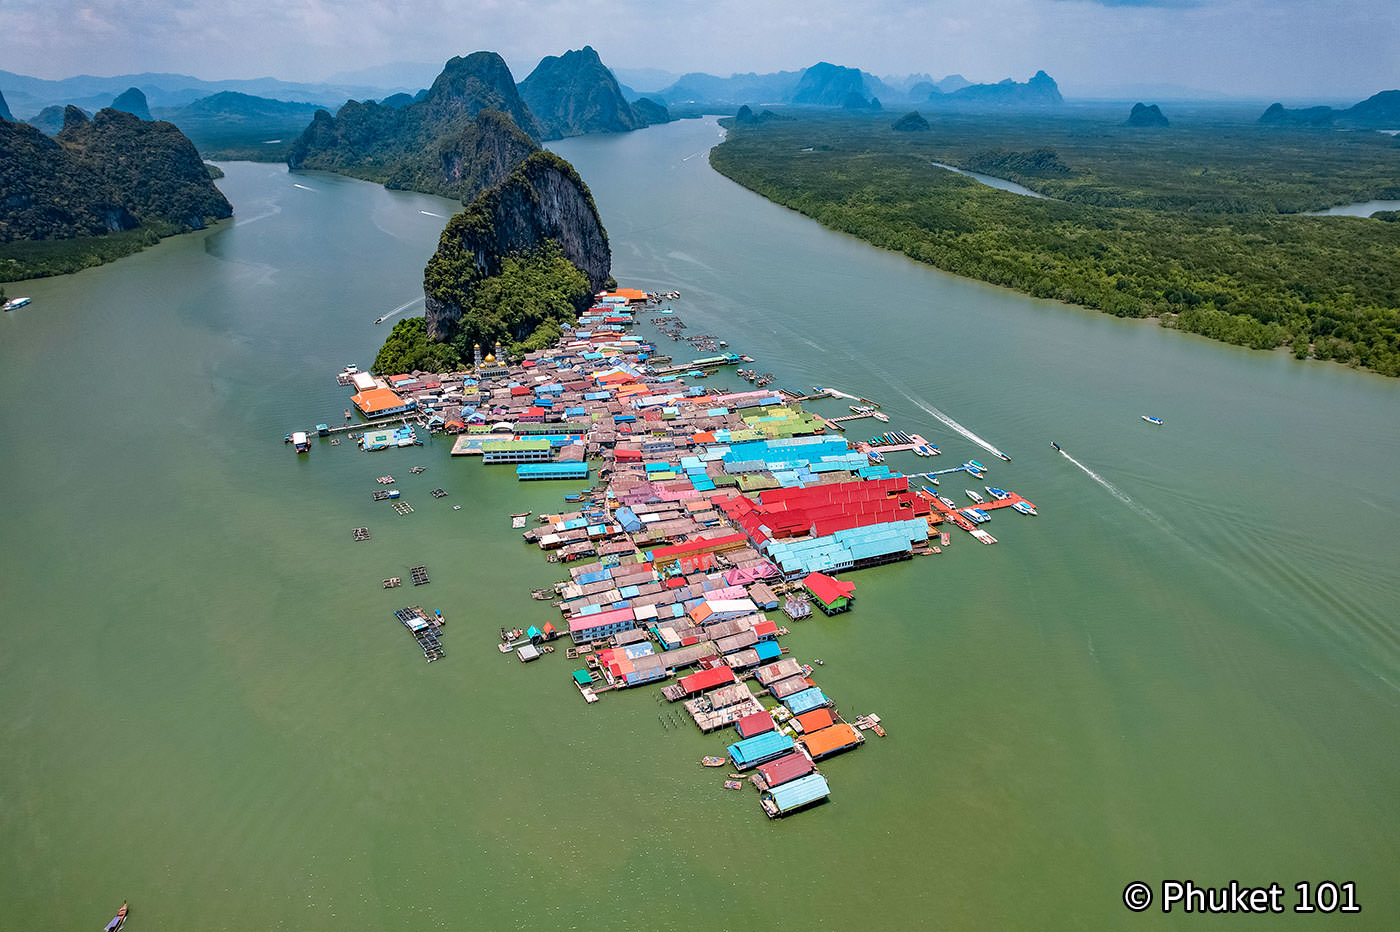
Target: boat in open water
{"points": [[15, 304], [118, 920], [1152, 420]]}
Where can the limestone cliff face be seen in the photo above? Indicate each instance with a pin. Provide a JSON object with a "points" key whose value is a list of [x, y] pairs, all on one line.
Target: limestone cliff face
{"points": [[111, 173], [463, 165], [5, 113], [412, 145], [543, 199], [574, 93]]}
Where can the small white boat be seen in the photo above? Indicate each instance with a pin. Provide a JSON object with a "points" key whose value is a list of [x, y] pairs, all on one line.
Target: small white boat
{"points": [[15, 304], [996, 493], [974, 496], [1024, 507], [1152, 420], [300, 442]]}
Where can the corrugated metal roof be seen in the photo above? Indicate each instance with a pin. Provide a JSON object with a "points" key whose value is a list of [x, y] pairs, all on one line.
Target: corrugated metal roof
{"points": [[799, 792]]}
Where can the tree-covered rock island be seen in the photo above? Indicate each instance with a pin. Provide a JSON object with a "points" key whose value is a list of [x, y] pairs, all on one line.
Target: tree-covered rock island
{"points": [[528, 252]]}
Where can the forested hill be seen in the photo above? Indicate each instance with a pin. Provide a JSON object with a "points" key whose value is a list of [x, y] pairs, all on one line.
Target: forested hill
{"points": [[1194, 227], [575, 93], [418, 145], [524, 258], [111, 174]]}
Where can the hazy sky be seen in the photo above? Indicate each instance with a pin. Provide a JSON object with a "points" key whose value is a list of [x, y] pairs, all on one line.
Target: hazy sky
{"points": [[1264, 48]]}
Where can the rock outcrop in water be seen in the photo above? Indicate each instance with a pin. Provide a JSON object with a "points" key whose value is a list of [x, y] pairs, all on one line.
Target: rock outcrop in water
{"points": [[574, 93], [112, 173], [1146, 115], [419, 145], [132, 101], [544, 201]]}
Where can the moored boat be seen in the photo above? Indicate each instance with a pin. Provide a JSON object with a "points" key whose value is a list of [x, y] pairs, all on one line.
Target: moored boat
{"points": [[996, 493], [300, 442], [974, 496], [1024, 507], [712, 761]]}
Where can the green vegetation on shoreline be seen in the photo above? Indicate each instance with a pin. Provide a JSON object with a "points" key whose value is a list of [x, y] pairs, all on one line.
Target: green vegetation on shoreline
{"points": [[523, 306], [22, 259], [1222, 261]]}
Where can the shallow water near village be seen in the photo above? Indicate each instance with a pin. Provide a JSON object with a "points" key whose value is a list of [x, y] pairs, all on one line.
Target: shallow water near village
{"points": [[1187, 667]]}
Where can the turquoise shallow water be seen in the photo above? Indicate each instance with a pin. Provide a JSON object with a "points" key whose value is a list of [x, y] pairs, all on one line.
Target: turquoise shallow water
{"points": [[1188, 666]]}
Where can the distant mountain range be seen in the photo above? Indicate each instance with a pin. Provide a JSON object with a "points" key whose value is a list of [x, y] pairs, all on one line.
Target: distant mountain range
{"points": [[827, 85], [27, 96], [1379, 111]]}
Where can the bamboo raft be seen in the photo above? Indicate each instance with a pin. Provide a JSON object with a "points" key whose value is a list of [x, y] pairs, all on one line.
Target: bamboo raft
{"points": [[361, 533]]}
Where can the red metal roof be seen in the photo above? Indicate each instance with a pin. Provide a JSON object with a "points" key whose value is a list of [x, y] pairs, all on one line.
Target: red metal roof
{"points": [[788, 767], [828, 590], [707, 679], [755, 724]]}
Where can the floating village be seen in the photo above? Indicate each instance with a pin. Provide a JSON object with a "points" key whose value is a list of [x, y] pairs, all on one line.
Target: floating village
{"points": [[715, 520]]}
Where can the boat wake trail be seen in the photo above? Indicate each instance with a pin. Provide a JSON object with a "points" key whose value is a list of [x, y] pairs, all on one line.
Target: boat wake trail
{"points": [[402, 307], [955, 426], [1117, 493], [302, 186], [431, 214]]}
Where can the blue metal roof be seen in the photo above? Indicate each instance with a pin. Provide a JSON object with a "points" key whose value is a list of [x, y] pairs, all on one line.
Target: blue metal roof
{"points": [[806, 701], [759, 748], [799, 792]]}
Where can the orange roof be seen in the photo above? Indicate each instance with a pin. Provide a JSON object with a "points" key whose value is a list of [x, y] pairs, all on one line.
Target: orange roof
{"points": [[703, 437], [631, 294], [377, 399], [830, 740], [815, 720]]}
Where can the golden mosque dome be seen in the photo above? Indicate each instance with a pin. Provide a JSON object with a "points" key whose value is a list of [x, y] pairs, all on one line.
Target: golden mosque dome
{"points": [[490, 357]]}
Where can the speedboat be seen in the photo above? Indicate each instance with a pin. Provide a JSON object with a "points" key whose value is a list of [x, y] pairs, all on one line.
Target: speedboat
{"points": [[997, 493], [976, 514], [1024, 507], [118, 920], [1152, 420], [880, 417], [1056, 446], [15, 304], [974, 496]]}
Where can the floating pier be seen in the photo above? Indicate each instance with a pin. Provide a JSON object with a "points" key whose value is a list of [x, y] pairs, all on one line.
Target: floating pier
{"points": [[403, 508]]}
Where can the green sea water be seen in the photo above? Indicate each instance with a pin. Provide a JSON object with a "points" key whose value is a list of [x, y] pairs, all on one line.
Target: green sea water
{"points": [[1187, 667]]}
